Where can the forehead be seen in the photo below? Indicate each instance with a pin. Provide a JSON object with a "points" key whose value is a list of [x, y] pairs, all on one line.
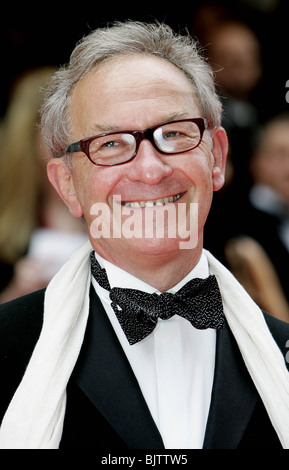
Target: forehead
{"points": [[130, 85], [146, 68]]}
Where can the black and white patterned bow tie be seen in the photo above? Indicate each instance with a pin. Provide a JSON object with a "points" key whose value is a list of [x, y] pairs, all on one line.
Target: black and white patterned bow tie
{"points": [[199, 302]]}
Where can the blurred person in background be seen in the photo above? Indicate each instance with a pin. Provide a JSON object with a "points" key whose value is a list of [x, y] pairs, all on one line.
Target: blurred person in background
{"points": [[267, 216], [235, 54], [37, 233], [255, 241]]}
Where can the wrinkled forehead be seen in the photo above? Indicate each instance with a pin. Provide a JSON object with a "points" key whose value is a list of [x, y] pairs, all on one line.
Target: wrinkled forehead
{"points": [[132, 85], [134, 72]]}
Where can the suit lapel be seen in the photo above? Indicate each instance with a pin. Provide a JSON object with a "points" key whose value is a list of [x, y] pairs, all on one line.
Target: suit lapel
{"points": [[105, 376], [233, 398]]}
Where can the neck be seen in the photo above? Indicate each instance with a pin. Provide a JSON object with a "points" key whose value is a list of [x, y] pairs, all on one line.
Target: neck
{"points": [[161, 271]]}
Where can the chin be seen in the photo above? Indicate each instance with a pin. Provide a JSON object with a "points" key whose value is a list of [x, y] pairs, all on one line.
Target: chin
{"points": [[155, 246]]}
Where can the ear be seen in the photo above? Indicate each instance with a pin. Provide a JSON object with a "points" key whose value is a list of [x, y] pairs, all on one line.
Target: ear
{"points": [[60, 176], [219, 152]]}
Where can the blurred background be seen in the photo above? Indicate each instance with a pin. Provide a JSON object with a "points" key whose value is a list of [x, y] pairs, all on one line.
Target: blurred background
{"points": [[44, 33], [246, 42]]}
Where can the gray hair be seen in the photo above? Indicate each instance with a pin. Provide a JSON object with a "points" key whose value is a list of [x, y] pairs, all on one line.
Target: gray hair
{"points": [[109, 43]]}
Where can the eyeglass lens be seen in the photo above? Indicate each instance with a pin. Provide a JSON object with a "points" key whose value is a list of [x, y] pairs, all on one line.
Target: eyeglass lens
{"points": [[171, 138]]}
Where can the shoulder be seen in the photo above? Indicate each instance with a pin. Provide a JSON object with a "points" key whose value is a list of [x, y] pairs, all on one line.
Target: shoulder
{"points": [[20, 326], [21, 321]]}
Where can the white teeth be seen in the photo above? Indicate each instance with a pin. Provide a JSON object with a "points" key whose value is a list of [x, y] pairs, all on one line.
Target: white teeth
{"points": [[158, 202]]}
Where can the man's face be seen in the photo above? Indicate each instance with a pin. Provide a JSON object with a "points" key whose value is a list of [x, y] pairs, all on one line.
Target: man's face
{"points": [[136, 93], [271, 164]]}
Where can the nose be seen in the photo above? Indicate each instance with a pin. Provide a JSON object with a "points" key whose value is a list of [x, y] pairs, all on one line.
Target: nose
{"points": [[149, 166]]}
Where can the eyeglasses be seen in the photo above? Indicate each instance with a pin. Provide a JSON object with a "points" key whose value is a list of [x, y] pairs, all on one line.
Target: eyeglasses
{"points": [[116, 148]]}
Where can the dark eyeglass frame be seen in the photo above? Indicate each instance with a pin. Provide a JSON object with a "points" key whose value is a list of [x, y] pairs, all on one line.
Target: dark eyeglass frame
{"points": [[83, 145]]}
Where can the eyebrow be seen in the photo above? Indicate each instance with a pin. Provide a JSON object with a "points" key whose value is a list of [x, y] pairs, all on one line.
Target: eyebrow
{"points": [[103, 128], [176, 116]]}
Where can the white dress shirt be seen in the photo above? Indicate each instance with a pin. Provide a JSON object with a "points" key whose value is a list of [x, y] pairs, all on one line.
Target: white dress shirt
{"points": [[174, 365]]}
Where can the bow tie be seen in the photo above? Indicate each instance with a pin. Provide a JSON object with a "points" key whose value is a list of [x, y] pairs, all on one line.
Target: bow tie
{"points": [[199, 302]]}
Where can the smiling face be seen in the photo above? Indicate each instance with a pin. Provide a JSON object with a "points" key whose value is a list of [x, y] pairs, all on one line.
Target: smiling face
{"points": [[136, 93]]}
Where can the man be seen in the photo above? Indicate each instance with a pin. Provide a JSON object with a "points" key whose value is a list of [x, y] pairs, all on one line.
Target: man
{"points": [[133, 123]]}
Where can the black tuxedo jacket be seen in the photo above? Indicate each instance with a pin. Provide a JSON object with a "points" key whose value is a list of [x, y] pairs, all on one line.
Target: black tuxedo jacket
{"points": [[105, 407]]}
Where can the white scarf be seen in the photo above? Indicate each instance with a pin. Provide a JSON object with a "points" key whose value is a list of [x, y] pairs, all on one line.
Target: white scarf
{"points": [[34, 419]]}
